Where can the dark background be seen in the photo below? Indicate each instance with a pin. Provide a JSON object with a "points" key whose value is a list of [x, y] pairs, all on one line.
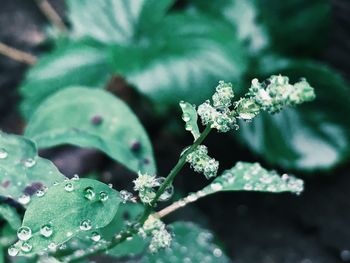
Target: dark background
{"points": [[253, 227]]}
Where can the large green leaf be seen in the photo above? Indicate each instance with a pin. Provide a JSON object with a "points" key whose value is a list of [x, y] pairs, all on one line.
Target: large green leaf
{"points": [[115, 21], [252, 177], [93, 118], [22, 171], [315, 135], [73, 64], [191, 243], [67, 209], [242, 15], [289, 25], [296, 25], [183, 59]]}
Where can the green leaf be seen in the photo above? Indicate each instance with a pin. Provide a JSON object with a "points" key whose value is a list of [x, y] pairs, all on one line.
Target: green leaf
{"points": [[9, 214], [93, 118], [312, 136], [190, 243], [127, 212], [115, 21], [2, 254], [289, 25], [294, 24], [22, 171], [121, 39], [67, 209], [82, 63], [198, 52], [241, 14], [252, 177], [190, 117]]}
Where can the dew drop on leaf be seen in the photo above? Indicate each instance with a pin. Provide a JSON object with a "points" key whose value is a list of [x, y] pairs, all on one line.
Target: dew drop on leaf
{"points": [[29, 162], [24, 233], [40, 193], [3, 153], [186, 117], [52, 246], [103, 196], [26, 247], [85, 225], [89, 193], [46, 230], [168, 193], [12, 251], [75, 177], [95, 237], [69, 187], [24, 199]]}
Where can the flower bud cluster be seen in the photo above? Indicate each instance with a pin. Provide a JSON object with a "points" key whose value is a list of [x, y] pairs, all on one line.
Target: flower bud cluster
{"points": [[201, 163], [144, 185], [218, 115], [147, 186], [154, 227], [276, 93]]}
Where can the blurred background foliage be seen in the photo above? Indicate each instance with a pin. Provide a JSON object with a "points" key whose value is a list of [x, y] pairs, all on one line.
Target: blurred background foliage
{"points": [[151, 54], [170, 51]]}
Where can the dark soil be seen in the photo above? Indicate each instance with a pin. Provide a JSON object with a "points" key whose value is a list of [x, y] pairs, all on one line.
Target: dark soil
{"points": [[253, 227]]}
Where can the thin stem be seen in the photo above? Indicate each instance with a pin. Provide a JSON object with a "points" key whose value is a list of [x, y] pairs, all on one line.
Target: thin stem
{"points": [[148, 210], [180, 203], [17, 55], [51, 14]]}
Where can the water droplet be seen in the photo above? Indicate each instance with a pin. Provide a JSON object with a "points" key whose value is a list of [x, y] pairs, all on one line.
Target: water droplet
{"points": [[40, 193], [217, 252], [24, 233], [46, 230], [75, 177], [95, 236], [29, 162], [69, 187], [216, 186], [103, 196], [3, 153], [26, 247], [125, 196], [110, 185], [12, 251], [24, 199], [186, 117], [89, 193], [188, 127], [248, 187], [85, 225], [168, 193], [69, 234], [52, 246], [345, 255]]}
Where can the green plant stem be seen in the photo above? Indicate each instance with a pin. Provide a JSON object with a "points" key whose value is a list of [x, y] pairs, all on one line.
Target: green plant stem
{"points": [[148, 210]]}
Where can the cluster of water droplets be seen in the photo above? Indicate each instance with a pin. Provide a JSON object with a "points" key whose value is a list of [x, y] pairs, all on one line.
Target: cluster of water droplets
{"points": [[252, 177]]}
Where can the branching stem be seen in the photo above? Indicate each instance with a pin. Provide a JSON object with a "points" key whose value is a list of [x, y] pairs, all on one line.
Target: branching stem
{"points": [[17, 55], [51, 14], [148, 210]]}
